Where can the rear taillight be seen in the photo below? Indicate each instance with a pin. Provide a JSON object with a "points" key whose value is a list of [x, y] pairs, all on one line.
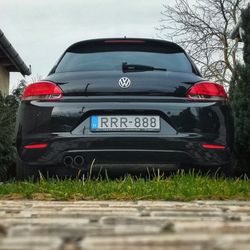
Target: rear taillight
{"points": [[42, 91], [213, 146], [207, 91], [36, 146]]}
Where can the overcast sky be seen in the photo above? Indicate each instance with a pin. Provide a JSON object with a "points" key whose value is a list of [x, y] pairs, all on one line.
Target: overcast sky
{"points": [[40, 30]]}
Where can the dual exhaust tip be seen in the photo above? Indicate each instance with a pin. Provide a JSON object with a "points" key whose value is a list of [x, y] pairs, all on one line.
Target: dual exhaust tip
{"points": [[77, 161]]}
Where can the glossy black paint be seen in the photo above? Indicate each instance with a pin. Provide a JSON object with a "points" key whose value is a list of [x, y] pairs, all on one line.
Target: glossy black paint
{"points": [[65, 124], [149, 83]]}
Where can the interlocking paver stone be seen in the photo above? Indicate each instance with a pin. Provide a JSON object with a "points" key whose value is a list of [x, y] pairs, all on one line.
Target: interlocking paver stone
{"points": [[117, 225]]}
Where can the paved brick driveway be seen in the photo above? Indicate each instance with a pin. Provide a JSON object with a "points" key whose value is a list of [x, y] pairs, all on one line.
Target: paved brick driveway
{"points": [[124, 225]]}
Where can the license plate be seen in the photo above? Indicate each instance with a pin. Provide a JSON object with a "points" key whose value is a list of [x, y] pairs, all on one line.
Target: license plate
{"points": [[125, 123]]}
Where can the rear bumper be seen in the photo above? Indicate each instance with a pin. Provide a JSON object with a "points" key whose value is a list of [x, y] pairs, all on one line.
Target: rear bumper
{"points": [[185, 126], [128, 150]]}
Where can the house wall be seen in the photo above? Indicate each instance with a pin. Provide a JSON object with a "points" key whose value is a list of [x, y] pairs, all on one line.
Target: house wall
{"points": [[4, 81]]}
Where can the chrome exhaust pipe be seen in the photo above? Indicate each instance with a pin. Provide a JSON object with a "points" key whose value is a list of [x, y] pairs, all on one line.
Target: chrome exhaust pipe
{"points": [[79, 161], [68, 161]]}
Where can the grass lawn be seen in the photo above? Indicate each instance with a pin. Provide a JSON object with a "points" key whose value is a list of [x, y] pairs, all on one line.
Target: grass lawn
{"points": [[181, 187]]}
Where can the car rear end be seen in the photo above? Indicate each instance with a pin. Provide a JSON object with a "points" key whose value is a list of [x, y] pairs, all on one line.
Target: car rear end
{"points": [[123, 101]]}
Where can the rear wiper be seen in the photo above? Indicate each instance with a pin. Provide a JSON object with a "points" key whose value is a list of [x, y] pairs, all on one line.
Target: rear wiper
{"points": [[138, 67]]}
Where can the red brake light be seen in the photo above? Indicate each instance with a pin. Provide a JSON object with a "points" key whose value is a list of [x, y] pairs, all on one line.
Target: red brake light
{"points": [[213, 146], [42, 91], [36, 146], [207, 91], [124, 41]]}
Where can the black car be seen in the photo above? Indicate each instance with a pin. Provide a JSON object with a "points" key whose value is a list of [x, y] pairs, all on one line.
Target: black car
{"points": [[123, 101]]}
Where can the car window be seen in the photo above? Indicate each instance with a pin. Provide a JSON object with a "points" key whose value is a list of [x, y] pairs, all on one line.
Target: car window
{"points": [[112, 60]]}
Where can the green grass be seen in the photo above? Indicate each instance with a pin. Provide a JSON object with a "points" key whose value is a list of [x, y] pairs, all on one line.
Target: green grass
{"points": [[184, 187]]}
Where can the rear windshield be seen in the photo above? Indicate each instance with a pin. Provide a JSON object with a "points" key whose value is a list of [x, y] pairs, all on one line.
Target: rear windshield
{"points": [[82, 60]]}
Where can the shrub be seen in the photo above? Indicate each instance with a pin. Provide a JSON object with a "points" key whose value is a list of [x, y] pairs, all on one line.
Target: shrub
{"points": [[240, 100], [8, 109]]}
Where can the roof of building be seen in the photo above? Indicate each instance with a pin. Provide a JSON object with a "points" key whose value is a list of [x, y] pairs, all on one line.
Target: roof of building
{"points": [[10, 59]]}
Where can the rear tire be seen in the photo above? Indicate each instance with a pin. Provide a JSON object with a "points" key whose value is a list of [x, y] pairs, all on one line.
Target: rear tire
{"points": [[226, 170], [229, 169], [24, 172]]}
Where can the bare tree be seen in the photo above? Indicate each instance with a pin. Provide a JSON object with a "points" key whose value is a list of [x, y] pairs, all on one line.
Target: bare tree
{"points": [[203, 29]]}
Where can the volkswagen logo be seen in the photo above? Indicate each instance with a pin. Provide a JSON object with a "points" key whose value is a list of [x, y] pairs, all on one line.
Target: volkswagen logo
{"points": [[124, 82]]}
